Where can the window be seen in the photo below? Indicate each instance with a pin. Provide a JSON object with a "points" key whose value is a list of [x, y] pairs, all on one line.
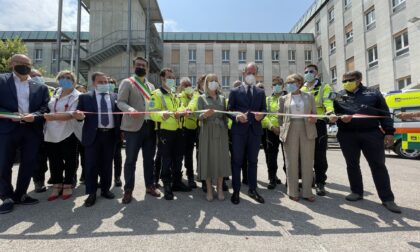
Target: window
{"points": [[175, 56], [347, 4], [192, 55], [275, 55], [350, 64], [373, 56], [398, 5], [54, 55], [292, 56], [38, 54], [404, 82], [370, 19], [225, 82], [317, 27], [331, 15], [242, 56], [193, 80], [349, 33], [319, 51], [225, 56], [333, 74], [332, 45], [308, 56], [258, 55], [401, 43], [241, 78], [209, 57]]}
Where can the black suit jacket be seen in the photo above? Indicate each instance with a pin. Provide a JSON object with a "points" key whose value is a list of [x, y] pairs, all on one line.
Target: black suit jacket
{"points": [[88, 103], [38, 103]]}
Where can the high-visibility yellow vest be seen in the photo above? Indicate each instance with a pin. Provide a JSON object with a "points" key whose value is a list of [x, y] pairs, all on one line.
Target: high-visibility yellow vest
{"points": [[320, 93], [189, 122], [272, 107], [163, 101]]}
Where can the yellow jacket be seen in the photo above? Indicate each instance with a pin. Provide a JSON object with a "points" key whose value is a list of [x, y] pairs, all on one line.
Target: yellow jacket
{"points": [[272, 107], [161, 100], [187, 103], [320, 93]]}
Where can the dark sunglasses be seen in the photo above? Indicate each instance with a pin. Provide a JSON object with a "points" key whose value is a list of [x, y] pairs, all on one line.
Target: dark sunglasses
{"points": [[349, 80], [310, 71]]}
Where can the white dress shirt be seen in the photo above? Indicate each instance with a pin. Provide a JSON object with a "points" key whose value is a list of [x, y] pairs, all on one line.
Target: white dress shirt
{"points": [[297, 106], [22, 92], [108, 102], [246, 88], [57, 131]]}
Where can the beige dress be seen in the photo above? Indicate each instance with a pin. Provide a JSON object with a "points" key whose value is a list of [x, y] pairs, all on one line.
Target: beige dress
{"points": [[213, 155]]}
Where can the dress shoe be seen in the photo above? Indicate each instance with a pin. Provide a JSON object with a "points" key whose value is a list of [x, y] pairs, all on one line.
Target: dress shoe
{"points": [[179, 186], [153, 191], [235, 198], [56, 192], [90, 201], [354, 197], [157, 185], [6, 206], [40, 187], [278, 181], [67, 192], [225, 187], [272, 184], [168, 194], [128, 197], [107, 194], [254, 194], [191, 183], [25, 200], [320, 190], [117, 182], [310, 199], [391, 206]]}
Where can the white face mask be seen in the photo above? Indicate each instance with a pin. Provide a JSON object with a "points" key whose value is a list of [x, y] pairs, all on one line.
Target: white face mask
{"points": [[250, 79], [213, 85]]}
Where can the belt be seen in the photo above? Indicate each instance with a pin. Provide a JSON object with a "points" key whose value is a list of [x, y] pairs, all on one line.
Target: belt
{"points": [[105, 129]]}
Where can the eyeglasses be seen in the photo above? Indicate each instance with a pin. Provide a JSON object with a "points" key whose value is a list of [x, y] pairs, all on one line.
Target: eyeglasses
{"points": [[310, 71], [349, 80]]}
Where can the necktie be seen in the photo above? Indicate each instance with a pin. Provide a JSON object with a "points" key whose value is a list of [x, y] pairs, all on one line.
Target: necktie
{"points": [[104, 111], [248, 94]]}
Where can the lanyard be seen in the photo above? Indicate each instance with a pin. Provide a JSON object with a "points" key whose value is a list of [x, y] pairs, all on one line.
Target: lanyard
{"points": [[66, 107]]}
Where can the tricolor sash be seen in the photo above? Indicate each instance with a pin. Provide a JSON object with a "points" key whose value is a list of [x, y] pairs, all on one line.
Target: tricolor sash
{"points": [[142, 87]]}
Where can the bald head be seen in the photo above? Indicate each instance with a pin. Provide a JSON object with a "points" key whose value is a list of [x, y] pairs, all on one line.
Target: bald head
{"points": [[21, 65]]}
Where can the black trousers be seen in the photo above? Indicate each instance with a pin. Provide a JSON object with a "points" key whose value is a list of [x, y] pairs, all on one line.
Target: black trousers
{"points": [[371, 144], [158, 161], [99, 157], [271, 143], [81, 153], [171, 155], [42, 167], [63, 159], [190, 141], [245, 161], [321, 145], [118, 158]]}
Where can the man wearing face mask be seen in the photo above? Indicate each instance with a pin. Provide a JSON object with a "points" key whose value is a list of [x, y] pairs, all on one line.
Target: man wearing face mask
{"points": [[357, 135], [165, 101], [324, 106], [189, 126], [134, 94], [23, 97], [270, 139], [99, 136], [246, 131]]}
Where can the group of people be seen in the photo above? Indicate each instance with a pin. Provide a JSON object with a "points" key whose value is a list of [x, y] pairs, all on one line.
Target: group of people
{"points": [[167, 122]]}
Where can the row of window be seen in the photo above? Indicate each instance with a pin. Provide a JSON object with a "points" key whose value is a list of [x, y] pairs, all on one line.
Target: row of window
{"points": [[39, 55], [242, 57]]}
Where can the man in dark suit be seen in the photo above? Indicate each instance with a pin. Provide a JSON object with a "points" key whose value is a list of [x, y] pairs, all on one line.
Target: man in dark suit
{"points": [[99, 136], [246, 131], [22, 96]]}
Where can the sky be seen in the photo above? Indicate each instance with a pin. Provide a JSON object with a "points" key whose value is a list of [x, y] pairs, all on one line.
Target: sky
{"points": [[179, 15]]}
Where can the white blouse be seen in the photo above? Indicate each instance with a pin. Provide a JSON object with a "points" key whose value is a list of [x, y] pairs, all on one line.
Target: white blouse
{"points": [[297, 105], [57, 131]]}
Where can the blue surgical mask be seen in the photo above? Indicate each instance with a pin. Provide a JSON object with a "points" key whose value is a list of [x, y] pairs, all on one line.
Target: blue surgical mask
{"points": [[66, 84], [170, 83], [309, 77], [277, 89], [111, 87], [291, 87], [102, 88], [38, 80]]}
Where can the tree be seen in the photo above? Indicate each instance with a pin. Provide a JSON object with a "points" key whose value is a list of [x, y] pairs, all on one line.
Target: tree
{"points": [[7, 49]]}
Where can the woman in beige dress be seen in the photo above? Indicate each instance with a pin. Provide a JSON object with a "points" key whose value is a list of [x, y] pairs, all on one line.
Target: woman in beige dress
{"points": [[298, 135], [213, 157]]}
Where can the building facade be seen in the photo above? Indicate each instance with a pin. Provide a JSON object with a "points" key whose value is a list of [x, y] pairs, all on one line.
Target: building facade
{"points": [[191, 54], [380, 38]]}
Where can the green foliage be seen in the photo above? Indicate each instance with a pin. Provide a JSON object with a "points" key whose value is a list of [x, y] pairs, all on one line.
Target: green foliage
{"points": [[7, 49]]}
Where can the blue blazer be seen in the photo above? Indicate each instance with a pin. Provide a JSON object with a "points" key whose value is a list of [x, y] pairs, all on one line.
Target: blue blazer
{"points": [[38, 103], [238, 101], [87, 102]]}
